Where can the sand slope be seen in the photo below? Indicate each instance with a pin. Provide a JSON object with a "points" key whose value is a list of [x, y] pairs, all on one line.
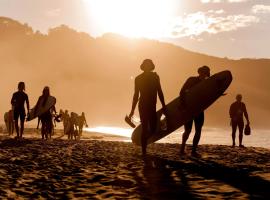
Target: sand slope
{"points": [[62, 169]]}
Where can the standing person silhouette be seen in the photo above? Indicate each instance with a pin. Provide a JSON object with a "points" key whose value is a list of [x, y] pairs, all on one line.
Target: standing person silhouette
{"points": [[204, 72], [66, 120], [147, 87], [81, 122], [47, 117], [18, 101], [237, 109]]}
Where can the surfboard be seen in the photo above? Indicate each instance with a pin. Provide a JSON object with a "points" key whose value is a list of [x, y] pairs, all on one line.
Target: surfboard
{"points": [[39, 109], [6, 118], [9, 121], [199, 98]]}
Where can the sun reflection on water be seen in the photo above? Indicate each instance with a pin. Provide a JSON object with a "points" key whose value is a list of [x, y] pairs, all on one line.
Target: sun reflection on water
{"points": [[126, 132]]}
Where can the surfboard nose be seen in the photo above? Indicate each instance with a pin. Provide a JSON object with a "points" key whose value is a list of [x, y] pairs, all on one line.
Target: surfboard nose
{"points": [[224, 79], [228, 75]]}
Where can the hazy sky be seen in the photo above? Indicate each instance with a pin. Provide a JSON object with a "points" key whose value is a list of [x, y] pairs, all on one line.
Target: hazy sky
{"points": [[226, 28]]}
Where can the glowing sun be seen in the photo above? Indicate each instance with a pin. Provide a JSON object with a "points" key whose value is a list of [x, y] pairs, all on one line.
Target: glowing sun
{"points": [[132, 18]]}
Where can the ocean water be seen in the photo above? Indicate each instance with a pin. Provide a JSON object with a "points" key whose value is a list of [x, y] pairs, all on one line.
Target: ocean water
{"points": [[258, 138], [218, 136]]}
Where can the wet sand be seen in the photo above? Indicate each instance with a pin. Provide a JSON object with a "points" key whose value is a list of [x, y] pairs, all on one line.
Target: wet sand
{"points": [[98, 169]]}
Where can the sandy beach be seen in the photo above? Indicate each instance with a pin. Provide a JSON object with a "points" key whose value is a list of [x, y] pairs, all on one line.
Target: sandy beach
{"points": [[96, 169]]}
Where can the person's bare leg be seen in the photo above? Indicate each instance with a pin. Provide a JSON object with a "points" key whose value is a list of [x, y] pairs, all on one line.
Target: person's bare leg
{"points": [[43, 129], [80, 132], [22, 128], [46, 131], [188, 127], [144, 122], [17, 128], [196, 139], [144, 143], [184, 140], [233, 134], [199, 121], [241, 128]]}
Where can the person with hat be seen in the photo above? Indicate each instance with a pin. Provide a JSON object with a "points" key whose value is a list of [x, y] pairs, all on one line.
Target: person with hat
{"points": [[18, 101], [237, 110], [204, 73], [147, 88]]}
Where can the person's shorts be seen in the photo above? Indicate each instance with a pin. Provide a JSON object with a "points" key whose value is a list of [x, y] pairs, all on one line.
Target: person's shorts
{"points": [[19, 113], [238, 123]]}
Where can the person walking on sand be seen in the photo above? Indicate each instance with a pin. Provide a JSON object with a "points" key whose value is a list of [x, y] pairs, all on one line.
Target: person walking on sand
{"points": [[237, 109], [18, 101], [47, 117], [65, 119], [81, 122], [147, 87], [204, 73], [72, 131]]}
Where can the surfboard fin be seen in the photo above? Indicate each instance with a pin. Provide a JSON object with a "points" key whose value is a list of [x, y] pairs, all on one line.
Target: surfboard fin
{"points": [[129, 121]]}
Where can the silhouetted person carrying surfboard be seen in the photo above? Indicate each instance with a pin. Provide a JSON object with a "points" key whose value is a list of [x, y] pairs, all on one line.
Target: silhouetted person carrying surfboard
{"points": [[18, 101], [147, 87], [237, 109], [204, 72], [47, 117]]}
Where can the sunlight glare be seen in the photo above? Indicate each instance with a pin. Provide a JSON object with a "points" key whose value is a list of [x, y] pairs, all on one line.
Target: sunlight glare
{"points": [[111, 130], [132, 18]]}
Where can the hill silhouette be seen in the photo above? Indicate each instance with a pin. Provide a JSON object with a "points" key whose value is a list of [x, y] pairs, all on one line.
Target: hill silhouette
{"points": [[95, 75]]}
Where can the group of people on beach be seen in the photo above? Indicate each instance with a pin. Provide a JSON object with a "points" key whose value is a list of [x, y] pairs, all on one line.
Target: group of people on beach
{"points": [[148, 87], [73, 123], [18, 112]]}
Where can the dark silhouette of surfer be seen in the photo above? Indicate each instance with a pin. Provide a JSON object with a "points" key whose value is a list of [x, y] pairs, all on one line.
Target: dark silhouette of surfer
{"points": [[47, 117], [18, 101], [237, 110], [72, 129], [81, 121], [147, 87], [65, 119], [204, 72]]}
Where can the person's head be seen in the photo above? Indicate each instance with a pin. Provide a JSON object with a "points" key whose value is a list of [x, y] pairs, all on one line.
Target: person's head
{"points": [[66, 111], [82, 113], [147, 65], [46, 91], [204, 71], [239, 97], [21, 86]]}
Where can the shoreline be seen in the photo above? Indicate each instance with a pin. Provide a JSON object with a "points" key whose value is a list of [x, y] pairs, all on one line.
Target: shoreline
{"points": [[97, 169], [222, 138]]}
